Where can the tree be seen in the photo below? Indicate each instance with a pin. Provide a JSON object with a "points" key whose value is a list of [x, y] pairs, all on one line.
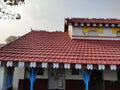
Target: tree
{"points": [[5, 13], [13, 2], [11, 38]]}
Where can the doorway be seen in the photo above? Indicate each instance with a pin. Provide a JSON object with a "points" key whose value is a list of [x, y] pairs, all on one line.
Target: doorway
{"points": [[56, 79], [96, 80]]}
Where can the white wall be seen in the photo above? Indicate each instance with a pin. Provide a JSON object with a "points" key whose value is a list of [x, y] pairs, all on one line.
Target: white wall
{"points": [[107, 32], [1, 77], [110, 75], [69, 76], [18, 74], [70, 29], [77, 31]]}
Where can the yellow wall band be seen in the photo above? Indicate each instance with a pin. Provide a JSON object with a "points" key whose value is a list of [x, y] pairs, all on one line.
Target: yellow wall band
{"points": [[115, 30], [87, 29]]}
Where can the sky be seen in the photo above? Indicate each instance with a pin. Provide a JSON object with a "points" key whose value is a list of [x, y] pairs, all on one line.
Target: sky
{"points": [[49, 15]]}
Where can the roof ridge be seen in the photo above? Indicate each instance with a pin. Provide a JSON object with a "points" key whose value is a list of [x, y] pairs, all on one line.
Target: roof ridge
{"points": [[94, 18], [38, 30]]}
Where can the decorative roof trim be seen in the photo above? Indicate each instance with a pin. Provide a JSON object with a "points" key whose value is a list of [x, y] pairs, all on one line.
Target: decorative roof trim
{"points": [[94, 25], [44, 65], [78, 66], [9, 63], [67, 66], [21, 64], [93, 20], [33, 64], [101, 67], [63, 65], [89, 66], [113, 67], [56, 65]]}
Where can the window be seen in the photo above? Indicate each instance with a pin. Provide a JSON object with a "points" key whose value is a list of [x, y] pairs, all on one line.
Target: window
{"points": [[118, 75], [118, 33], [40, 71], [92, 33], [75, 72]]}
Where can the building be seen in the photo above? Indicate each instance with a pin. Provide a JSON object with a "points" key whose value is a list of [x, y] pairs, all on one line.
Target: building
{"points": [[85, 56]]}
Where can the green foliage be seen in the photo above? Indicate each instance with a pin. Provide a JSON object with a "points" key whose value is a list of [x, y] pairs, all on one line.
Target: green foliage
{"points": [[11, 38], [13, 2], [6, 13]]}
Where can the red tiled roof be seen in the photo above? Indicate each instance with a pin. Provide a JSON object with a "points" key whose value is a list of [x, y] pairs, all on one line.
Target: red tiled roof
{"points": [[93, 20], [42, 46], [1, 45]]}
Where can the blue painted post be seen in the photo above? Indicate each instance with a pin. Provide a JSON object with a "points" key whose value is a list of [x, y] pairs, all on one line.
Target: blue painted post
{"points": [[86, 78], [32, 78], [9, 80]]}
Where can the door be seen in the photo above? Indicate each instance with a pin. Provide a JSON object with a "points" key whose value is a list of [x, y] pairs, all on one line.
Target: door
{"points": [[56, 79], [96, 80]]}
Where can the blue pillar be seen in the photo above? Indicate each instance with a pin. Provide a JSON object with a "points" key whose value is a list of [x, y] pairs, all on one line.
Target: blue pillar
{"points": [[32, 78], [9, 80], [86, 78]]}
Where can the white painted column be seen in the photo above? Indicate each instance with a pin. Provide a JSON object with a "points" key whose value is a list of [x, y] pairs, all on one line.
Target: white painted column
{"points": [[18, 74], [1, 77]]}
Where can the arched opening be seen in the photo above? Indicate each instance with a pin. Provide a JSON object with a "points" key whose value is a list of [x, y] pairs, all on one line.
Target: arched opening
{"points": [[118, 33], [92, 33]]}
